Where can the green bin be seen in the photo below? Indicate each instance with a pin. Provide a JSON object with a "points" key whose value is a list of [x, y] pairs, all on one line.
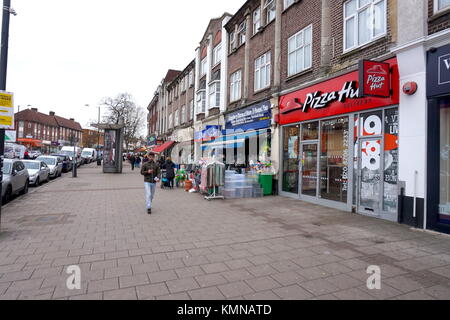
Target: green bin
{"points": [[266, 182]]}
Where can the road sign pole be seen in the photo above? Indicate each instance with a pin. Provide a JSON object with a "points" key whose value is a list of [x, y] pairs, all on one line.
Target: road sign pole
{"points": [[3, 69]]}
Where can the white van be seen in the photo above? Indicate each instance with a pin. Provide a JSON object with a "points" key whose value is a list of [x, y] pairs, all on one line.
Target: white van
{"points": [[69, 151], [14, 151], [88, 155]]}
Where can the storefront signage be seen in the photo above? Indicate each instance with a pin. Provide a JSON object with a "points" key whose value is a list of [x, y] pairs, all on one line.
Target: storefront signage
{"points": [[10, 135], [151, 141], [255, 117], [340, 95], [6, 110], [438, 71], [374, 79]]}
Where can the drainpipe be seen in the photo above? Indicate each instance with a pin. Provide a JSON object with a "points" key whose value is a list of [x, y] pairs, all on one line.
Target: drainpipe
{"points": [[277, 55]]}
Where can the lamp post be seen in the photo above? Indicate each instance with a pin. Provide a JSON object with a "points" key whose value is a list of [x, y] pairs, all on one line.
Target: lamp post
{"points": [[98, 131], [7, 11]]}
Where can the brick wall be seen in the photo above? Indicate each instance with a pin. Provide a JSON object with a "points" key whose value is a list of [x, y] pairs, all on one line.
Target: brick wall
{"points": [[290, 26], [438, 22], [372, 50]]}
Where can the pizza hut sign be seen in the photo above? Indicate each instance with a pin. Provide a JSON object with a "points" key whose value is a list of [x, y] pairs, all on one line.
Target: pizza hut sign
{"points": [[374, 79]]}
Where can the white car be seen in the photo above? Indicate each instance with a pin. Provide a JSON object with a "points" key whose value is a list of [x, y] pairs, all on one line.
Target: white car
{"points": [[54, 164], [38, 170]]}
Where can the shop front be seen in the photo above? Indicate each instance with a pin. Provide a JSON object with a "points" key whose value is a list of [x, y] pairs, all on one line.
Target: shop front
{"points": [[246, 138], [339, 141], [438, 181], [183, 151]]}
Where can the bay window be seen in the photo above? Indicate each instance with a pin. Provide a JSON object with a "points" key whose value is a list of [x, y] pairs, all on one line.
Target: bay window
{"points": [[364, 21], [201, 101], [214, 94]]}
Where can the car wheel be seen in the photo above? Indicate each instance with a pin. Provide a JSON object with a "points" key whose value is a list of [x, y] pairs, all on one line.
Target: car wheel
{"points": [[8, 195], [25, 189], [38, 182], [48, 179]]}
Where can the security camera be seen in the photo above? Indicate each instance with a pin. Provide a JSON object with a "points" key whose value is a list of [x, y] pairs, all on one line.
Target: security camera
{"points": [[12, 11]]}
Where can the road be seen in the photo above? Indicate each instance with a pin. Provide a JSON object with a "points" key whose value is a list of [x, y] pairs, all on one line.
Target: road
{"points": [[189, 248]]}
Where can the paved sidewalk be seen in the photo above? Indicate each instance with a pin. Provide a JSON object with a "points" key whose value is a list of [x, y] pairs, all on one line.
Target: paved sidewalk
{"points": [[271, 248]]}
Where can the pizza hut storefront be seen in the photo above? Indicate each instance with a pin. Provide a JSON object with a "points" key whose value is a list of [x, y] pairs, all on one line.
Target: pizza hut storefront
{"points": [[340, 143]]}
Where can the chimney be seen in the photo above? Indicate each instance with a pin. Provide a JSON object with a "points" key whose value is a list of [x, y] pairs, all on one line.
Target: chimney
{"points": [[34, 109], [72, 119], [52, 113]]}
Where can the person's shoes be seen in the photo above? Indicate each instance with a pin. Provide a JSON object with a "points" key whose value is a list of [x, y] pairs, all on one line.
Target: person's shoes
{"points": [[149, 211]]}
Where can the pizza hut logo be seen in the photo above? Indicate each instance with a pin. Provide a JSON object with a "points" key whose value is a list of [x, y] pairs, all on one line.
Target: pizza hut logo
{"points": [[318, 100], [375, 78]]}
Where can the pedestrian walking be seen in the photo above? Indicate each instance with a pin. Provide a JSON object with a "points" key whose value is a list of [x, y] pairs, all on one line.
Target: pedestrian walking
{"points": [[132, 161], [151, 172], [138, 161], [169, 166]]}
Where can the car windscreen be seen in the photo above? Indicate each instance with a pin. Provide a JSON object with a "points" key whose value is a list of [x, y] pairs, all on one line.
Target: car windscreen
{"points": [[86, 153], [6, 167], [32, 165], [67, 153], [48, 161]]}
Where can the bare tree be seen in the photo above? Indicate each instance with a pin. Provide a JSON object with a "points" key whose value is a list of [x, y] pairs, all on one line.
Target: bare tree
{"points": [[123, 107]]}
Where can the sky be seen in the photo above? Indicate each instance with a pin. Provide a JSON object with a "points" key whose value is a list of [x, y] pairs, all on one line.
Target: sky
{"points": [[64, 54]]}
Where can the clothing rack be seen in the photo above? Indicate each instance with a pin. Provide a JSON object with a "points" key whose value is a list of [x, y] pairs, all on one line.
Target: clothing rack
{"points": [[215, 178]]}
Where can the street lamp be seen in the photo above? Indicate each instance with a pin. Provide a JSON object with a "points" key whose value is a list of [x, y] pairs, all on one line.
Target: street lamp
{"points": [[98, 131]]}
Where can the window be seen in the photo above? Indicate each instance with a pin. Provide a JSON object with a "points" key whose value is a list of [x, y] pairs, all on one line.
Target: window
{"points": [[235, 86], [203, 67], [288, 3], [201, 101], [21, 128], [170, 121], [191, 110], [191, 78], [270, 8], [256, 20], [217, 54], [241, 33], [365, 20], [177, 118], [440, 5], [183, 114], [300, 51], [232, 41], [262, 72], [214, 95]]}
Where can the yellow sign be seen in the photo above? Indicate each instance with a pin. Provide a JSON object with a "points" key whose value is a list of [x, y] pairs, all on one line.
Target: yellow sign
{"points": [[6, 110]]}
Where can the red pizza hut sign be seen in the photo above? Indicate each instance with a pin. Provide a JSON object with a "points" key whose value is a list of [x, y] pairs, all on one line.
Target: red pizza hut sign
{"points": [[342, 95], [374, 79]]}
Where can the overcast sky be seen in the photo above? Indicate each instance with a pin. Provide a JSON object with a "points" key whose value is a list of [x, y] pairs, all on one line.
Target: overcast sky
{"points": [[64, 54]]}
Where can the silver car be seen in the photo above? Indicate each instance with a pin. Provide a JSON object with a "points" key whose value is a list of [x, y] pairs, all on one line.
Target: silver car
{"points": [[54, 163], [15, 179], [38, 170]]}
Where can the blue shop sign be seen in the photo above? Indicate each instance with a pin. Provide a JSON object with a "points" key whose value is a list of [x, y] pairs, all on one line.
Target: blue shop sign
{"points": [[438, 71], [257, 116]]}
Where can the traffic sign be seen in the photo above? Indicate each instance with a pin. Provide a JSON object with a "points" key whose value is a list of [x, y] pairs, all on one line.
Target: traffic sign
{"points": [[6, 110]]}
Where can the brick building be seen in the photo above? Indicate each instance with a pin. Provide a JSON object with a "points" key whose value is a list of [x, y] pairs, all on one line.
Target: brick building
{"points": [[46, 132], [93, 139]]}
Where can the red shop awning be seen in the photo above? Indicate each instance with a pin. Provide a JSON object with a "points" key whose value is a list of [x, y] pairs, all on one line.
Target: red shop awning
{"points": [[163, 147]]}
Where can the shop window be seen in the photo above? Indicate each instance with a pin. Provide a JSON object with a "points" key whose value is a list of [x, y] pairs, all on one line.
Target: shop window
{"points": [[444, 193], [334, 156], [310, 131], [391, 124], [365, 20], [290, 159]]}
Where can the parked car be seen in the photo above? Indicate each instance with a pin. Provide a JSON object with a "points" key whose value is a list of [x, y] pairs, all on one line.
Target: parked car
{"points": [[66, 163], [38, 171], [88, 155], [14, 151], [54, 163], [34, 154], [69, 151], [16, 179]]}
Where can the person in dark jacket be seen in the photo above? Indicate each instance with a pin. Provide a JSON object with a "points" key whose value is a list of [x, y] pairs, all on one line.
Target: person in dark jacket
{"points": [[132, 161], [151, 172], [170, 169]]}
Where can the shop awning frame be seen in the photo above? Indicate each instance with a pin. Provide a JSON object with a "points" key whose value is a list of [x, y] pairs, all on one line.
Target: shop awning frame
{"points": [[163, 147]]}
